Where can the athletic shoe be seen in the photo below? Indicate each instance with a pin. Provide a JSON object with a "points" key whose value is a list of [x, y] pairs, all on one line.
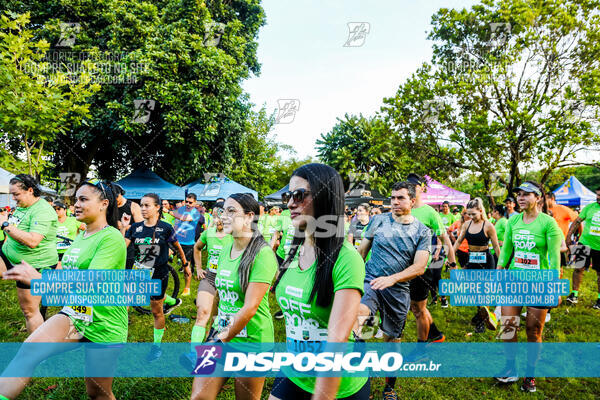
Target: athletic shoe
{"points": [[278, 315], [379, 334], [438, 339], [154, 354], [507, 376], [489, 318], [167, 308], [434, 299], [188, 360], [389, 393], [186, 292], [596, 306], [548, 317], [480, 327], [444, 302], [528, 385], [572, 299]]}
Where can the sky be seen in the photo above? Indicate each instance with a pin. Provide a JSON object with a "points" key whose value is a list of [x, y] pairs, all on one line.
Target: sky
{"points": [[306, 65]]}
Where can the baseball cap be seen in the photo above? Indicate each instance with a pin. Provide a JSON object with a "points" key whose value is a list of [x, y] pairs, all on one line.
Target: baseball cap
{"points": [[510, 198], [529, 188], [60, 204], [416, 179]]}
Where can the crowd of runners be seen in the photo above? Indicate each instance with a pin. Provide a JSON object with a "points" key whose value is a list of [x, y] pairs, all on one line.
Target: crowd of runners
{"points": [[345, 270]]}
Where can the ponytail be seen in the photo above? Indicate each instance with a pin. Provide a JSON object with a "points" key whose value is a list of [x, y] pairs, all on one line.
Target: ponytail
{"points": [[478, 204]]}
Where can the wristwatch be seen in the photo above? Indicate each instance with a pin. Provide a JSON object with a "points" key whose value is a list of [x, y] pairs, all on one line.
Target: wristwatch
{"points": [[5, 225]]}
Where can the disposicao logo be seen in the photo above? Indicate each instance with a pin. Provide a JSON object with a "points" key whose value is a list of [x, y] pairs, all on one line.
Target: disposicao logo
{"points": [[206, 362]]}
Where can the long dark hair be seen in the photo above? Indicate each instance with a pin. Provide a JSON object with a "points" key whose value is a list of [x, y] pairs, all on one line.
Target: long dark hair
{"points": [[327, 190], [25, 182], [257, 242], [107, 191]]}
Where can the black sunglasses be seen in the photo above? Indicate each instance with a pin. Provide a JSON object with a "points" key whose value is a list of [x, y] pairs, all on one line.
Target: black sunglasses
{"points": [[299, 195]]}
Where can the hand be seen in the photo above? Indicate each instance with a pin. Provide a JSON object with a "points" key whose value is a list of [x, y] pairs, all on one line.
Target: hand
{"points": [[200, 273], [125, 220], [383, 282], [22, 272]]}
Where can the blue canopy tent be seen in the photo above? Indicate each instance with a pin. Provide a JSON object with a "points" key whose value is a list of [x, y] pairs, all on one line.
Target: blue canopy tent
{"points": [[142, 181], [275, 198], [216, 188], [572, 193]]}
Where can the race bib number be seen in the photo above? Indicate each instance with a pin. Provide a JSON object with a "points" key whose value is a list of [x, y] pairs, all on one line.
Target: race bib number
{"points": [[595, 230], [527, 260], [477, 257], [82, 313], [139, 265], [304, 330], [357, 243], [226, 320], [213, 263]]}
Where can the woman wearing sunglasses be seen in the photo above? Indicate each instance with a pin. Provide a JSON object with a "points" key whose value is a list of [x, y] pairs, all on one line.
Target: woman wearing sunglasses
{"points": [[100, 246], [214, 239], [321, 282], [246, 268], [30, 238], [151, 239]]}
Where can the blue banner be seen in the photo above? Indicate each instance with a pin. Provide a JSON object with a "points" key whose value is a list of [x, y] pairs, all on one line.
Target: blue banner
{"points": [[96, 287], [469, 287], [281, 359]]}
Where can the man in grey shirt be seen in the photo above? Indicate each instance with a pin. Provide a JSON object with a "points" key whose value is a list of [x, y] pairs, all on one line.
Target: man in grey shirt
{"points": [[400, 247]]}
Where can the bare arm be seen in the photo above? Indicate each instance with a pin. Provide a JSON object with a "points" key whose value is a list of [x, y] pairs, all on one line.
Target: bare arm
{"points": [[29, 239], [200, 273], [448, 245], [491, 233], [254, 295], [136, 212], [344, 313], [364, 248], [416, 269], [572, 229]]}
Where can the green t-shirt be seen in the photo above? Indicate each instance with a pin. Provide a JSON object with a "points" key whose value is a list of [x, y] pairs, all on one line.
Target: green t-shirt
{"points": [[501, 228], [104, 249], [287, 229], [536, 245], [214, 245], [270, 227], [591, 228], [430, 218], [168, 218], [308, 322], [66, 229], [40, 218], [231, 297], [447, 219]]}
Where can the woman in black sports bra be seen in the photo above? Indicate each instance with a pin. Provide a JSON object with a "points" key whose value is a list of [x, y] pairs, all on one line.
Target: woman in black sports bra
{"points": [[478, 233]]}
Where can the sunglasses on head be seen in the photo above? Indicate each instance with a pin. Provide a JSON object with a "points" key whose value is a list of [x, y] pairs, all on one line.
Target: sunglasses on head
{"points": [[298, 195], [99, 184]]}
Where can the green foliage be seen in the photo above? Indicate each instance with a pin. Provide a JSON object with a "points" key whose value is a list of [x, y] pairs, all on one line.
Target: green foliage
{"points": [[161, 51], [35, 107]]}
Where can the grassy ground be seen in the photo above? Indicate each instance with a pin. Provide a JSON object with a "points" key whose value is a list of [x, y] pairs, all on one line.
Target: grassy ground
{"points": [[569, 324]]}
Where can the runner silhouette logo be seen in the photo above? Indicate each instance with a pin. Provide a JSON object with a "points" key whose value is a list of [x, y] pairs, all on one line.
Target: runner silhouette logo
{"points": [[206, 362]]}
